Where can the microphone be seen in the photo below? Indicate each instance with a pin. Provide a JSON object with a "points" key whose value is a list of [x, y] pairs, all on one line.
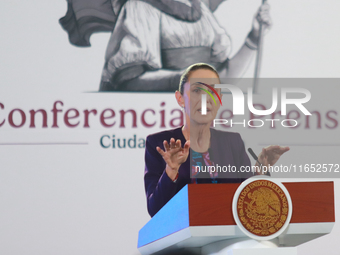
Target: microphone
{"points": [[253, 155], [257, 160]]}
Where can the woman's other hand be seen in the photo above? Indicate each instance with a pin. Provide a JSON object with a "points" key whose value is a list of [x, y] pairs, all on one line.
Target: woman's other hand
{"points": [[174, 155], [271, 154]]}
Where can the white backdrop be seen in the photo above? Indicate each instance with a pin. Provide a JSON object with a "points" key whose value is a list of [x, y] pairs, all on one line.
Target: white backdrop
{"points": [[78, 197]]}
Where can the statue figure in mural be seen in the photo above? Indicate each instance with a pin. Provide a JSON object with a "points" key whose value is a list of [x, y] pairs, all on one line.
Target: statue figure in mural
{"points": [[152, 41]]}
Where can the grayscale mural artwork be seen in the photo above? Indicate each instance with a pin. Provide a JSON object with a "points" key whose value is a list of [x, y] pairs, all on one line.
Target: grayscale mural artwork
{"points": [[153, 41]]}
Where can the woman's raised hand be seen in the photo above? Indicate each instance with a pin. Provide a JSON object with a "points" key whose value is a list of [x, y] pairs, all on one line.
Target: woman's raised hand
{"points": [[174, 155]]}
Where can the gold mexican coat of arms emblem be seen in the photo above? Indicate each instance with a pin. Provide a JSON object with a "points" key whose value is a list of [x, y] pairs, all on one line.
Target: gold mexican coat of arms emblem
{"points": [[262, 207]]}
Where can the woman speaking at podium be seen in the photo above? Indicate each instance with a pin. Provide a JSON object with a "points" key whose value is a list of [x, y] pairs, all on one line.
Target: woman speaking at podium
{"points": [[167, 153]]}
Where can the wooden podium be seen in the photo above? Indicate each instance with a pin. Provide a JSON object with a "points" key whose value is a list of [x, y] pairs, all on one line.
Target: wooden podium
{"points": [[199, 220]]}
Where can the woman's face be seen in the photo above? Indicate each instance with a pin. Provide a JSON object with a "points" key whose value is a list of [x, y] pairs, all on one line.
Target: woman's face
{"points": [[192, 96]]}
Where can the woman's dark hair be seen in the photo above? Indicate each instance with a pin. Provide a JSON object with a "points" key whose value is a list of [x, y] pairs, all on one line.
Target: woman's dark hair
{"points": [[190, 69]]}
